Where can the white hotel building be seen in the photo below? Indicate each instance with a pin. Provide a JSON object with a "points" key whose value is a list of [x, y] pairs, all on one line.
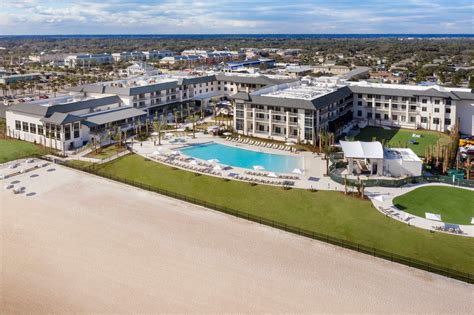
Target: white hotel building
{"points": [[279, 108]]}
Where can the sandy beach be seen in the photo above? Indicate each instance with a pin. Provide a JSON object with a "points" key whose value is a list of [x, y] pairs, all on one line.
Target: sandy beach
{"points": [[88, 245]]}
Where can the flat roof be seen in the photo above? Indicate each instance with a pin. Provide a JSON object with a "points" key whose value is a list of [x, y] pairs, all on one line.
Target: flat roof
{"points": [[404, 154]]}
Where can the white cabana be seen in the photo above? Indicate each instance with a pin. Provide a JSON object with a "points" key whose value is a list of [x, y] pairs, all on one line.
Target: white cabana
{"points": [[258, 167], [217, 168], [365, 156], [271, 174], [297, 171], [433, 216]]}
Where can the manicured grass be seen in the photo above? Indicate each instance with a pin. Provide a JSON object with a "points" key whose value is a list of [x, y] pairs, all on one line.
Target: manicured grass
{"points": [[11, 149], [78, 164], [399, 138], [106, 152], [455, 205], [327, 212]]}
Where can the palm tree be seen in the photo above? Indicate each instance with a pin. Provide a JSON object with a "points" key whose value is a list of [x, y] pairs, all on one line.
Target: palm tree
{"points": [[175, 115], [194, 119], [327, 140], [158, 125], [214, 101]]}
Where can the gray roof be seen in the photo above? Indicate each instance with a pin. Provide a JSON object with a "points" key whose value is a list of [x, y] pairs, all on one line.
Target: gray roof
{"points": [[196, 80], [61, 118], [101, 118], [313, 104], [33, 108]]}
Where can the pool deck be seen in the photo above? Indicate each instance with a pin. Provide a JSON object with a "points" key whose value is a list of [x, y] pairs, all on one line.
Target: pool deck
{"points": [[313, 172]]}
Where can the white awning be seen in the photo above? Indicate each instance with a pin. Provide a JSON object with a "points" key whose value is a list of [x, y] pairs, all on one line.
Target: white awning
{"points": [[362, 150]]}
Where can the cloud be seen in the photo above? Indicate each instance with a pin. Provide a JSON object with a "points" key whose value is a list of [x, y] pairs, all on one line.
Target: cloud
{"points": [[238, 16]]}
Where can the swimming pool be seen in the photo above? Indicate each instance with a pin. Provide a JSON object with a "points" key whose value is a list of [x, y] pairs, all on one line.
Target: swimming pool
{"points": [[243, 158]]}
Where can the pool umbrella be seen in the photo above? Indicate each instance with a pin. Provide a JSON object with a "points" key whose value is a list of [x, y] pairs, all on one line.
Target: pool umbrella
{"points": [[271, 174], [193, 162], [174, 152], [227, 134], [154, 133], [290, 143], [213, 161], [258, 167], [168, 134], [156, 153], [297, 171], [217, 168]]}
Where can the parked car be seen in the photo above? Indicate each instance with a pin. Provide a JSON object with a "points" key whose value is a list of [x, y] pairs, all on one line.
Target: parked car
{"points": [[43, 97], [21, 100]]}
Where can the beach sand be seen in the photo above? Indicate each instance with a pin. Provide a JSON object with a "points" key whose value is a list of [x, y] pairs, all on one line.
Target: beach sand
{"points": [[85, 244]]}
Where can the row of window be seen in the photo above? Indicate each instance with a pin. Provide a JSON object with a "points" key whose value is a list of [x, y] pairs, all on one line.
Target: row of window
{"points": [[404, 99], [51, 131], [424, 120]]}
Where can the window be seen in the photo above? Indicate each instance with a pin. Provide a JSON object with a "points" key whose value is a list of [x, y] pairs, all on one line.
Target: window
{"points": [[76, 130], [377, 104], [395, 98], [25, 126], [359, 113], [405, 98], [437, 102], [447, 121], [361, 95], [369, 104], [424, 100], [369, 96], [436, 121], [412, 107], [404, 107], [448, 110], [369, 115], [377, 116], [67, 132], [412, 119], [40, 129], [33, 128], [448, 102], [394, 106], [436, 110], [403, 118], [394, 117], [385, 116], [359, 103], [17, 125], [423, 109], [413, 99], [377, 97], [424, 120], [385, 105]]}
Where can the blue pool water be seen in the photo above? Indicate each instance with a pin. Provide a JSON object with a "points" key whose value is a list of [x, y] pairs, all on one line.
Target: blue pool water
{"points": [[243, 158]]}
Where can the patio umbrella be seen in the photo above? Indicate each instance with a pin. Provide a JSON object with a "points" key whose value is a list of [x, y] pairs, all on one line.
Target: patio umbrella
{"points": [[258, 167], [154, 133], [273, 175], [156, 153], [290, 143], [217, 168], [174, 152], [213, 161], [193, 162], [297, 171], [227, 133], [168, 134]]}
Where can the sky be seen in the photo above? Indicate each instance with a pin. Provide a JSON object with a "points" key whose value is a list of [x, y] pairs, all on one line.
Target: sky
{"points": [[44, 17]]}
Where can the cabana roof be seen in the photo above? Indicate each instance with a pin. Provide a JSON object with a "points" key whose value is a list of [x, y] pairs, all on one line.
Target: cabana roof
{"points": [[362, 150]]}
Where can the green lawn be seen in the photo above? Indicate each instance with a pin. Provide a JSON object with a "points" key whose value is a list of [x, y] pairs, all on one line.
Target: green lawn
{"points": [[397, 137], [455, 205], [78, 164], [105, 152], [11, 149], [327, 212]]}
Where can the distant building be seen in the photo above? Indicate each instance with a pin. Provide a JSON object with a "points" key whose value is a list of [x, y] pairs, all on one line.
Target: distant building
{"points": [[87, 60], [46, 58], [158, 54], [141, 68], [14, 78], [180, 60], [127, 56], [234, 65], [332, 69]]}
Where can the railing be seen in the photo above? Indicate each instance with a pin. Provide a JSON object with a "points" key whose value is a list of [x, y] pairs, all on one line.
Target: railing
{"points": [[466, 277]]}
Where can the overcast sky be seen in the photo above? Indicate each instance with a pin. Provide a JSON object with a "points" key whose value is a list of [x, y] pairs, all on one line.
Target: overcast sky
{"points": [[40, 17]]}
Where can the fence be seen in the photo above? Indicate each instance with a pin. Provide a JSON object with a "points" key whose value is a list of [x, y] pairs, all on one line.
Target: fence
{"points": [[466, 277]]}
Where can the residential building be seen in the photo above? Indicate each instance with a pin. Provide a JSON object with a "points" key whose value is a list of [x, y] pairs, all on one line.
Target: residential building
{"points": [[127, 56], [158, 54], [47, 58], [14, 78]]}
